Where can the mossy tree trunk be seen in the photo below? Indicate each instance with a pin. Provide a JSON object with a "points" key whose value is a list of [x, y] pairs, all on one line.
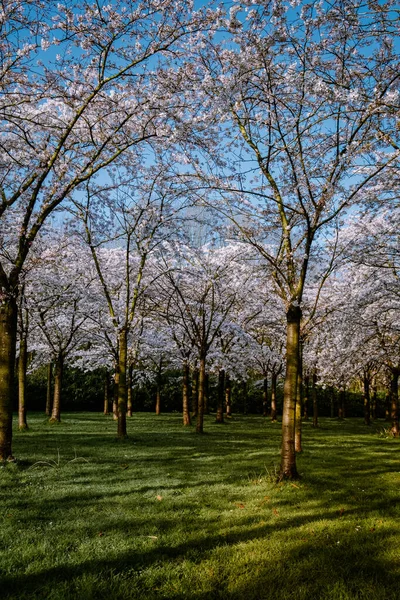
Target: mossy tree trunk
{"points": [[201, 392], [185, 394], [49, 388], [220, 397], [288, 468], [121, 405], [8, 336], [22, 365], [58, 380], [394, 401]]}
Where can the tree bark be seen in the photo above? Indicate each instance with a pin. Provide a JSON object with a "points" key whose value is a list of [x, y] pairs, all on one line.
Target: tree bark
{"points": [[8, 336], [207, 394], [228, 396], [115, 394], [288, 468], [201, 391], [220, 398], [158, 388], [265, 397], [274, 379], [314, 399], [106, 407], [374, 401], [394, 402], [58, 378], [367, 400], [22, 364], [48, 390], [195, 392], [306, 397], [298, 411], [121, 406], [185, 395], [129, 398]]}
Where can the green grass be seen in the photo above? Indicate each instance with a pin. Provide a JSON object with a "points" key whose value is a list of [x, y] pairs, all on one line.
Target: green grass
{"points": [[169, 514]]}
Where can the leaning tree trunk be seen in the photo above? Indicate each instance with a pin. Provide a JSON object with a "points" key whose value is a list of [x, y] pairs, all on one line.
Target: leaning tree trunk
{"points": [[201, 393], [228, 396], [106, 404], [185, 394], [22, 364], [129, 395], [48, 389], [314, 399], [220, 398], [288, 468], [367, 400], [274, 379], [394, 402], [265, 397], [58, 377], [121, 404], [8, 336]]}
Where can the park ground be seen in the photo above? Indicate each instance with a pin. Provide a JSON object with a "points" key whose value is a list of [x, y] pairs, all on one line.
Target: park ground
{"points": [[171, 514]]}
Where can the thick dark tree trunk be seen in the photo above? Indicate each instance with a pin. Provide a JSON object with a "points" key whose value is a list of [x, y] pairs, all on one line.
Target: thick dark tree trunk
{"points": [[220, 397], [185, 395], [265, 397], [274, 379], [306, 397], [49, 388], [129, 395], [200, 404], [228, 396], [8, 336], [195, 392], [394, 402], [22, 364], [314, 399], [106, 403], [121, 406], [367, 400], [58, 379], [288, 468]]}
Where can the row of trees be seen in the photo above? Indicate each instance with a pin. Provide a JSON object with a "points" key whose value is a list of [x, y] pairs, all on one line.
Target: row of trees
{"points": [[281, 116]]}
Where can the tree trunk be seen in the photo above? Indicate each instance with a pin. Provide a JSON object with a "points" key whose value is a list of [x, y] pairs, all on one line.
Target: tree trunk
{"points": [[158, 388], [288, 455], [265, 397], [306, 397], [298, 411], [185, 394], [314, 399], [129, 399], [394, 402], [115, 394], [106, 408], [374, 401], [195, 392], [22, 364], [274, 379], [332, 403], [244, 392], [387, 407], [121, 406], [220, 399], [341, 404], [228, 396], [207, 394], [48, 390], [8, 336], [200, 404], [58, 378], [367, 401]]}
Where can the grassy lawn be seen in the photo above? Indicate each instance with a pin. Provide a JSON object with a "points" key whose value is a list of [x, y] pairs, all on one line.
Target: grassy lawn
{"points": [[169, 514]]}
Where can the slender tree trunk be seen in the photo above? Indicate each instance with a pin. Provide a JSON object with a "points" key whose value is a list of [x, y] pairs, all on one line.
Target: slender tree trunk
{"points": [[207, 394], [200, 405], [367, 400], [58, 378], [244, 392], [274, 379], [8, 336], [288, 468], [48, 390], [121, 407], [314, 399], [341, 404], [299, 407], [387, 407], [106, 408], [220, 397], [228, 396], [373, 401], [195, 392], [306, 397], [394, 402], [22, 364], [265, 397], [185, 394], [129, 399], [115, 393], [158, 388]]}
